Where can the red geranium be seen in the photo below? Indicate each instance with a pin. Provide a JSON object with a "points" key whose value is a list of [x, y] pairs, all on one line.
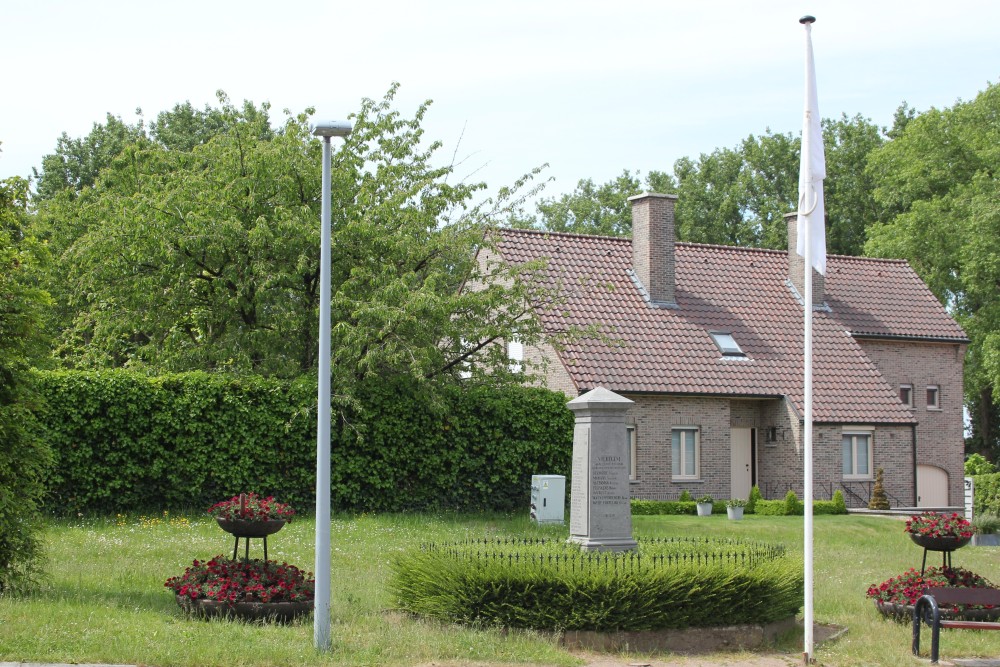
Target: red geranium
{"points": [[907, 588], [251, 507], [932, 524], [227, 580]]}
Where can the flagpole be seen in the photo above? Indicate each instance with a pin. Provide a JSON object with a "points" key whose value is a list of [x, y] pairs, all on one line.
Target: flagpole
{"points": [[809, 207]]}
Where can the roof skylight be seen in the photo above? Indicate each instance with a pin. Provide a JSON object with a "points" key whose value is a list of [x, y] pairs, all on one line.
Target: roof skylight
{"points": [[727, 344]]}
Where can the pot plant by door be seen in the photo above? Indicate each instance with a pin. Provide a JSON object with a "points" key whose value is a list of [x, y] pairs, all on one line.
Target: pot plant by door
{"points": [[734, 508], [704, 505]]}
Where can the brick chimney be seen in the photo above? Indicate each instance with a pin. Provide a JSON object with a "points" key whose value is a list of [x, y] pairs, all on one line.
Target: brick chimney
{"points": [[796, 265], [653, 246]]}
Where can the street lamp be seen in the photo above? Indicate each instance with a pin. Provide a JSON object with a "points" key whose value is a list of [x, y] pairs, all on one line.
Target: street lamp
{"points": [[321, 614]]}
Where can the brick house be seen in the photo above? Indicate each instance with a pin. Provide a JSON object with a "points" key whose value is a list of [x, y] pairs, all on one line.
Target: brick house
{"points": [[707, 340]]}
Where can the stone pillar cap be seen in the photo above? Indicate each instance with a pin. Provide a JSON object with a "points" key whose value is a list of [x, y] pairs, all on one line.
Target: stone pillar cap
{"points": [[599, 398]]}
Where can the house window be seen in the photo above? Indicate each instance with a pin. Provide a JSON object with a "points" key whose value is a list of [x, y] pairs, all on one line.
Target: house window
{"points": [[515, 353], [726, 344], [906, 395], [933, 398], [633, 452], [856, 447], [685, 453]]}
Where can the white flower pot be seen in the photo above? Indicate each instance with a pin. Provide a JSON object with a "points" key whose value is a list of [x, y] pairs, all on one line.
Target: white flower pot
{"points": [[704, 509], [735, 513]]}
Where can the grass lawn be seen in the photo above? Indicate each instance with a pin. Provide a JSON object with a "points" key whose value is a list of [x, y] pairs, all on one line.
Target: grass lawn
{"points": [[104, 599]]}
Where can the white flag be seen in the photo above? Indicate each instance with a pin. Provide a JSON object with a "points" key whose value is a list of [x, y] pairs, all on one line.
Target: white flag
{"points": [[812, 171]]}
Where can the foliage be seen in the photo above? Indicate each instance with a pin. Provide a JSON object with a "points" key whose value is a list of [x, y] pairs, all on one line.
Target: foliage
{"points": [[755, 496], [906, 588], [663, 507], [737, 196], [128, 442], [879, 499], [555, 587], [705, 499], [603, 209], [227, 580], [986, 524], [685, 496], [736, 502], [198, 249], [793, 505], [251, 507], [933, 524], [839, 505], [939, 180], [24, 455], [976, 464], [987, 494]]}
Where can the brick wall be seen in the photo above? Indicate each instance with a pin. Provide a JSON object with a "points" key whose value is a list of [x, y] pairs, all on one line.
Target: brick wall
{"points": [[940, 438]]}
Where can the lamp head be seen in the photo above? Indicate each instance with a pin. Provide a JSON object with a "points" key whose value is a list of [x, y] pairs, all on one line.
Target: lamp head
{"points": [[331, 128]]}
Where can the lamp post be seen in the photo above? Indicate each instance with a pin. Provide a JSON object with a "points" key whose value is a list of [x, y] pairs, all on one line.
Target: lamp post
{"points": [[321, 615]]}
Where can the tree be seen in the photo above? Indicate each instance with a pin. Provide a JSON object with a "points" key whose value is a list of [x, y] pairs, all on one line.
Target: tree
{"points": [[937, 180], [76, 163], [737, 196], [204, 253], [598, 209], [24, 456]]}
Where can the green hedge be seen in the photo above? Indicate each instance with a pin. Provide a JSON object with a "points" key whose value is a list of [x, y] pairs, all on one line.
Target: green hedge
{"points": [[987, 494], [789, 506], [667, 584], [128, 442]]}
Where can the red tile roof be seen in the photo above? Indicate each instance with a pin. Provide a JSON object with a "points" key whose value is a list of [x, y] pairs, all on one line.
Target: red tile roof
{"points": [[738, 290]]}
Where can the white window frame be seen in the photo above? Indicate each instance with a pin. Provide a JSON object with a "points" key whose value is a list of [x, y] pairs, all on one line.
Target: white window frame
{"points": [[727, 344], [853, 432], [633, 452], [909, 389], [681, 463], [936, 405]]}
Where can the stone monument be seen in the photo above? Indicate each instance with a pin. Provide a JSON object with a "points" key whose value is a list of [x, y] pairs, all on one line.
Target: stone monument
{"points": [[600, 513]]}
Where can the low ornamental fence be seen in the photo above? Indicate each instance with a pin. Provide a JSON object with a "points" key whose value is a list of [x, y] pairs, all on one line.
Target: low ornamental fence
{"points": [[652, 554]]}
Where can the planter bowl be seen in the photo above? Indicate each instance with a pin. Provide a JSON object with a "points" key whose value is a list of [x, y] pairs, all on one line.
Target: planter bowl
{"points": [[735, 513], [243, 528], [278, 612], [704, 509], [904, 612], [939, 543]]}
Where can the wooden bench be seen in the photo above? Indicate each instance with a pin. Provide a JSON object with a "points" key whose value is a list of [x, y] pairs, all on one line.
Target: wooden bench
{"points": [[927, 609]]}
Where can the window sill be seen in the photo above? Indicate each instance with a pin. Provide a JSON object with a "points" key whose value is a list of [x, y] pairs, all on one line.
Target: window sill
{"points": [[855, 478], [687, 480]]}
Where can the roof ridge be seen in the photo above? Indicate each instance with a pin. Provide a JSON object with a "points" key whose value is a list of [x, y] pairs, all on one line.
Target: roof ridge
{"points": [[543, 232]]}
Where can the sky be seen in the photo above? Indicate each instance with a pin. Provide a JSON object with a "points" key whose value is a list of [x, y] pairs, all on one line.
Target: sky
{"points": [[588, 88]]}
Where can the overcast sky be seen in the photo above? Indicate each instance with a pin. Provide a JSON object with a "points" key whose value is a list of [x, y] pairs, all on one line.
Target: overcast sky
{"points": [[591, 88]]}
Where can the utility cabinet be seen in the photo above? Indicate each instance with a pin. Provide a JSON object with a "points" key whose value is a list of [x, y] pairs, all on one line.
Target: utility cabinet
{"points": [[548, 498]]}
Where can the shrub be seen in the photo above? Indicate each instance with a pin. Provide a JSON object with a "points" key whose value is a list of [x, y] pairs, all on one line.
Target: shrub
{"points": [[879, 500], [127, 442], [665, 507], [553, 586], [752, 500], [793, 505], [685, 496], [986, 524], [987, 494], [977, 464], [838, 502]]}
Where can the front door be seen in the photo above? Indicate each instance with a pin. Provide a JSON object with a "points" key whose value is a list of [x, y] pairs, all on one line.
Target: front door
{"points": [[741, 457], [932, 486]]}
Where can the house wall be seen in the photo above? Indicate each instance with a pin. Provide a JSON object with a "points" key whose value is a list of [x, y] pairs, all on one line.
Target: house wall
{"points": [[654, 418], [940, 437]]}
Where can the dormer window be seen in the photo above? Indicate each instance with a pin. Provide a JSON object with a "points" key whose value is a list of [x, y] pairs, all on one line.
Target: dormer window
{"points": [[726, 344]]}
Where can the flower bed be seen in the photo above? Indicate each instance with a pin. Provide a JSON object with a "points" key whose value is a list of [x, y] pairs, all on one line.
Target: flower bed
{"points": [[895, 597], [939, 526], [234, 585]]}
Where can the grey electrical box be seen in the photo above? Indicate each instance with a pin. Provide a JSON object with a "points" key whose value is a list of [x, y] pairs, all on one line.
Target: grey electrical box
{"points": [[548, 498]]}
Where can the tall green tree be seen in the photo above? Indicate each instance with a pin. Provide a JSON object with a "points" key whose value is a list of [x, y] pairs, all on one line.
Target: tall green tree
{"points": [[938, 179], [24, 456], [199, 249]]}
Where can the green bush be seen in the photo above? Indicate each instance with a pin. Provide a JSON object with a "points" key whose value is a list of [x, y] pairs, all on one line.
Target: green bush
{"points": [[977, 464], [552, 586], [793, 505], [987, 494], [685, 495], [127, 442], [752, 500]]}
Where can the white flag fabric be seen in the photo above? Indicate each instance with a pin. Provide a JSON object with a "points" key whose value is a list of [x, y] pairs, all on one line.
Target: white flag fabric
{"points": [[812, 171]]}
